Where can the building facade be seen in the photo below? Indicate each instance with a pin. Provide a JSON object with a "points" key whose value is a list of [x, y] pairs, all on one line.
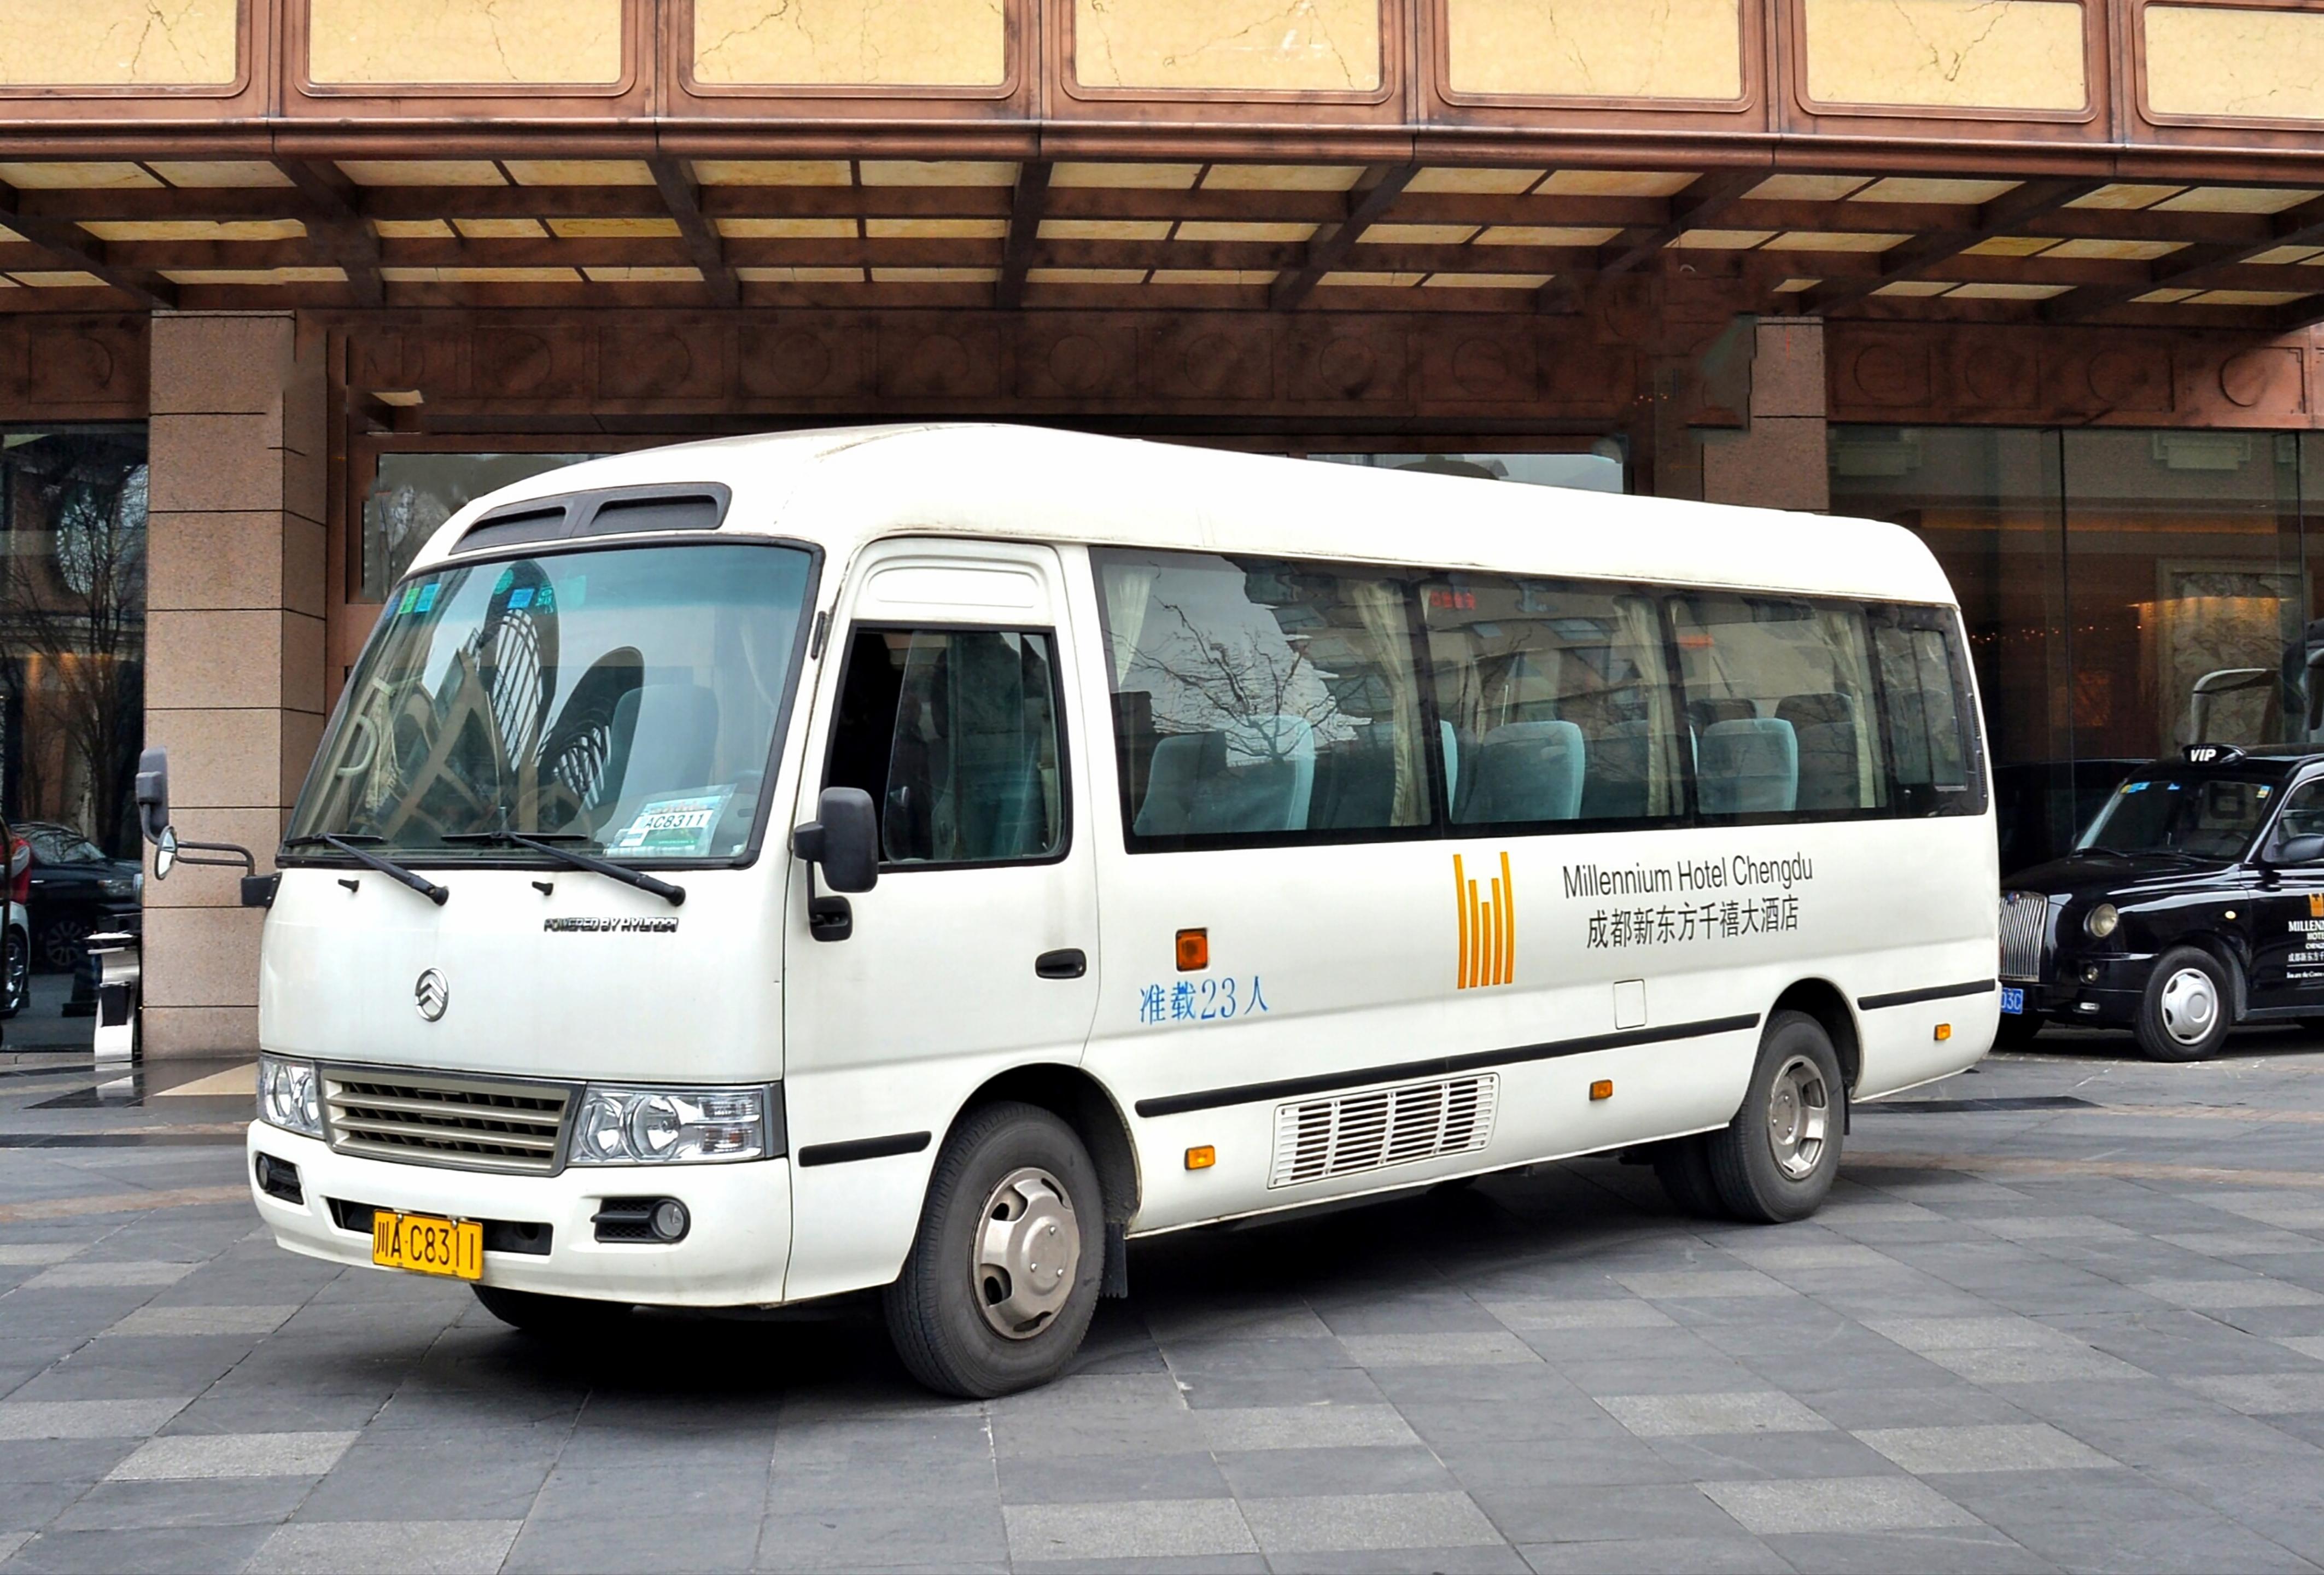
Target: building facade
{"points": [[285, 282]]}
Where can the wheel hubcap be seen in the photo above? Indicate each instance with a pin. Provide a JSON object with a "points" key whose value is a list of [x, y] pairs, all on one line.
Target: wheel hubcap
{"points": [[2190, 1006], [1799, 1116], [1028, 1250]]}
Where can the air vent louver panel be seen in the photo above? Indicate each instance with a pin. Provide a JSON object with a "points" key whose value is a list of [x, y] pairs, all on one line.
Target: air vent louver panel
{"points": [[1317, 1139]]}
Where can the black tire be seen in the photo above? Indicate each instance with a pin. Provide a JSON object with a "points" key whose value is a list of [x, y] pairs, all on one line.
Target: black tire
{"points": [[1683, 1168], [553, 1318], [2187, 1006], [937, 1308], [2017, 1031], [1780, 1154], [63, 944], [15, 975]]}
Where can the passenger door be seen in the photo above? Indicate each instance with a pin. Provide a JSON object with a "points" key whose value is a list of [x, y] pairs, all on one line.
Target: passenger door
{"points": [[2288, 914], [946, 696]]}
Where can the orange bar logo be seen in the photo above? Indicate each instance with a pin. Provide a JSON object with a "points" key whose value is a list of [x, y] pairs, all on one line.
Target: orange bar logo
{"points": [[2315, 905], [1488, 927]]}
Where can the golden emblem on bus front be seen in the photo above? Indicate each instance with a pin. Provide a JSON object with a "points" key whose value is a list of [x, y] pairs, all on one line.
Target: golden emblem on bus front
{"points": [[1488, 926]]}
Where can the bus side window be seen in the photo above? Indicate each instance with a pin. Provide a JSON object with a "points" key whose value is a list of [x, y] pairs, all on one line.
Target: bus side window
{"points": [[1781, 704], [1553, 702], [1928, 744], [1262, 702], [954, 734]]}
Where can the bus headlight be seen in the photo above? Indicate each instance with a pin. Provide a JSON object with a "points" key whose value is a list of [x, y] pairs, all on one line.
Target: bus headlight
{"points": [[2103, 921], [291, 1096], [671, 1126]]}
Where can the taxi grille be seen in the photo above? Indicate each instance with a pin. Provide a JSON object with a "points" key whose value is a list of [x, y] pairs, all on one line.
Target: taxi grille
{"points": [[2025, 926], [424, 1118]]}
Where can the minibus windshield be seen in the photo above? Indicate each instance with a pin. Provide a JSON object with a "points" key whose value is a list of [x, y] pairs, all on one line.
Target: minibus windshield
{"points": [[2202, 817], [622, 700]]}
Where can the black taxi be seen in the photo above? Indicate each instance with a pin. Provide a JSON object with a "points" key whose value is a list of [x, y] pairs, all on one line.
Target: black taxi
{"points": [[2194, 901]]}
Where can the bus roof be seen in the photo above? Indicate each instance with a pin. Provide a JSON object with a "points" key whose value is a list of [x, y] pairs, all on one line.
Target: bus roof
{"points": [[843, 487]]}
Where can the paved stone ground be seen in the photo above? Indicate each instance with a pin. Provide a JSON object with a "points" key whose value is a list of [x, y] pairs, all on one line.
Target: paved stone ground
{"points": [[2063, 1312]]}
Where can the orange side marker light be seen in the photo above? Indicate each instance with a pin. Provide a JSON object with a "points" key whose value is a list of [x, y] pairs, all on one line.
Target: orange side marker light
{"points": [[1193, 951], [1944, 1032], [1202, 1158], [1603, 1089]]}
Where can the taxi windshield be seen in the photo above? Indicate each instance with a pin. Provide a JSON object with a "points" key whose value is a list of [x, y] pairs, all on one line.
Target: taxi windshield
{"points": [[2200, 816], [622, 700]]}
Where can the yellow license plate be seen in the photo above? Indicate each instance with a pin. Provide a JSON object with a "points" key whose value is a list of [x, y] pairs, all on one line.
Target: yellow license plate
{"points": [[427, 1244]]}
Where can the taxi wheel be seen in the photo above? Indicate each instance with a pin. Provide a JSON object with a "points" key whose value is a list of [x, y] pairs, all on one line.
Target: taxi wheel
{"points": [[2187, 1006], [556, 1318], [1003, 1276], [1780, 1154]]}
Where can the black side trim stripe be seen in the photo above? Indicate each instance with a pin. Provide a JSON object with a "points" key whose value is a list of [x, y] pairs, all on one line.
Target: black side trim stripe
{"points": [[864, 1148], [1873, 1003], [1440, 1066]]}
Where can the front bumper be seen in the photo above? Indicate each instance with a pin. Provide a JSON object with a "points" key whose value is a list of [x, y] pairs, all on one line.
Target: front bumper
{"points": [[2100, 991], [735, 1255]]}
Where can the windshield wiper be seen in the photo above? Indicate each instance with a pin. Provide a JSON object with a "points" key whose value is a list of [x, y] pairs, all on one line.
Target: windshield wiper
{"points": [[548, 843], [364, 856]]}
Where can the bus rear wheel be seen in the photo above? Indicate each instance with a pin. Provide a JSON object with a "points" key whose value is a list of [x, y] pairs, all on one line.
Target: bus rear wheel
{"points": [[1002, 1279], [1780, 1154]]}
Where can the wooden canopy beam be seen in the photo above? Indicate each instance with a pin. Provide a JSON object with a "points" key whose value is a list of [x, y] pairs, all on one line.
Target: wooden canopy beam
{"points": [[1374, 195], [1025, 206], [2302, 226], [683, 197], [338, 227], [1695, 208], [2006, 215], [83, 253]]}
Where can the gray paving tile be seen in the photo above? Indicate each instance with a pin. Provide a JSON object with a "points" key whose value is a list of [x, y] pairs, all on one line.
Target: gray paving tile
{"points": [[170, 1550], [1676, 1415], [613, 1539], [1951, 1551], [1932, 1451], [1686, 1283], [2031, 1364], [493, 1474], [410, 1547], [1727, 1555], [258, 1454], [1346, 1522], [1303, 1427], [2055, 1227], [11, 1541], [1435, 1348], [38, 1419], [2244, 1243], [88, 1273], [181, 1321], [1155, 1528], [1549, 1312], [1842, 1504], [42, 1253], [144, 1505], [1106, 1479], [1526, 1512], [2263, 1393], [2243, 1293]]}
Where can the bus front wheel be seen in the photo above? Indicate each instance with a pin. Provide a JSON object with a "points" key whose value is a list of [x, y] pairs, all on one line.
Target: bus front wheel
{"points": [[1003, 1276], [1778, 1158]]}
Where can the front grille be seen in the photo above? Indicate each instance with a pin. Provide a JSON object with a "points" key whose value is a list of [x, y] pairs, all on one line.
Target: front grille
{"points": [[2025, 926], [426, 1118], [1321, 1138]]}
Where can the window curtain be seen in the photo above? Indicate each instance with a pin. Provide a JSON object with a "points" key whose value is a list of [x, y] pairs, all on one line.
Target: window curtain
{"points": [[1383, 606], [1129, 592], [1642, 642], [1845, 634]]}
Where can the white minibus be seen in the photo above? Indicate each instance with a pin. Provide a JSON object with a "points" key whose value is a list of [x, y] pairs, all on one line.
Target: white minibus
{"points": [[929, 857]]}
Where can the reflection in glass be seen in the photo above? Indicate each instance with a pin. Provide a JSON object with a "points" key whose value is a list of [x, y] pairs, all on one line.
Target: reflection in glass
{"points": [[1598, 469], [414, 493], [626, 698]]}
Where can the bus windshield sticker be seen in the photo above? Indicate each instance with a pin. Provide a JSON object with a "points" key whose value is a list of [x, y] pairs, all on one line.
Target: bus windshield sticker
{"points": [[678, 827]]}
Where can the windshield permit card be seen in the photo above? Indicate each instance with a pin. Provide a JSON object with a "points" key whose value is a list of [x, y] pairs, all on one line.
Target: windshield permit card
{"points": [[2012, 1002], [673, 828]]}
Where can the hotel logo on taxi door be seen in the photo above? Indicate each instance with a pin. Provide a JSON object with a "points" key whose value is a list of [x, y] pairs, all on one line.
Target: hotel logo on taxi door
{"points": [[1489, 926]]}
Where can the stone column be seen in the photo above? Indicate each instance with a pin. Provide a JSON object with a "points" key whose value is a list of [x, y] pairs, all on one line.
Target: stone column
{"points": [[1778, 461], [234, 662]]}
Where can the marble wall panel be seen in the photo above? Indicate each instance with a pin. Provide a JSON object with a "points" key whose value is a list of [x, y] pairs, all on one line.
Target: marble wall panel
{"points": [[2227, 62], [829, 43], [1947, 54], [464, 43], [118, 44], [1317, 46], [1596, 49]]}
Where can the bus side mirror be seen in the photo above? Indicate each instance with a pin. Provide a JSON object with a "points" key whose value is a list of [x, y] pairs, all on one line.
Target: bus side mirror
{"points": [[844, 839], [154, 794]]}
